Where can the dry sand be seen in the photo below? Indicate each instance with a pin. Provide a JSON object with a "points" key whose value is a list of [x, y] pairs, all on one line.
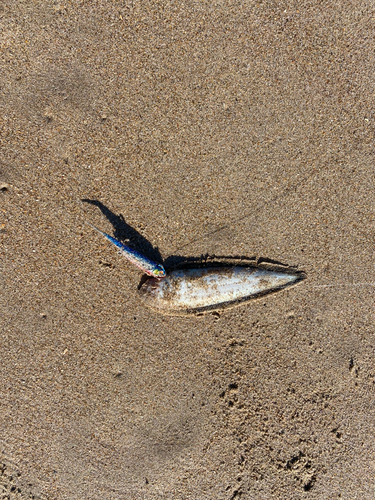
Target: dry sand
{"points": [[227, 128]]}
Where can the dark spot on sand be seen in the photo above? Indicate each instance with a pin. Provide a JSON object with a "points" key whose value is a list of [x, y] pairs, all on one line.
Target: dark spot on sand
{"points": [[307, 486]]}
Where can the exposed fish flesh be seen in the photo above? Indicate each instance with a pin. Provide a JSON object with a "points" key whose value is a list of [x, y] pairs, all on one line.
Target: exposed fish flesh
{"points": [[148, 266], [187, 291]]}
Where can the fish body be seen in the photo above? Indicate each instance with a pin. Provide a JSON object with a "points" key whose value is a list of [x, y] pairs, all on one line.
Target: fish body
{"points": [[207, 289], [148, 266]]}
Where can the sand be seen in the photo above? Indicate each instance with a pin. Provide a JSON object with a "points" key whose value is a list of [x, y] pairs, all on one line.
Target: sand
{"points": [[220, 128]]}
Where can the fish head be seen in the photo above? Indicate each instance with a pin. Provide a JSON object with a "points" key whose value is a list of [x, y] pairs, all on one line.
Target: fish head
{"points": [[159, 271]]}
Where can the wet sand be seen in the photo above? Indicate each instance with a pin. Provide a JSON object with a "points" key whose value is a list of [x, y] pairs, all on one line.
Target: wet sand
{"points": [[221, 128]]}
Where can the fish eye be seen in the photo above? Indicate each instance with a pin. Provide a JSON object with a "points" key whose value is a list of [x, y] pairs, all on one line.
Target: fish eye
{"points": [[159, 272]]}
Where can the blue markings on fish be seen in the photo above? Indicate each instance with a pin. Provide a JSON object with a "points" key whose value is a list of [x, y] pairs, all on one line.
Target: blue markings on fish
{"points": [[147, 265]]}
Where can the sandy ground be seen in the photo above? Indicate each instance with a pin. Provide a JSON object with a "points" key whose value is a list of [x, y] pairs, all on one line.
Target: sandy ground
{"points": [[226, 128]]}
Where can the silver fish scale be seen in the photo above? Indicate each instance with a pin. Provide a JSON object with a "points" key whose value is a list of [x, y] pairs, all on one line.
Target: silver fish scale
{"points": [[194, 290]]}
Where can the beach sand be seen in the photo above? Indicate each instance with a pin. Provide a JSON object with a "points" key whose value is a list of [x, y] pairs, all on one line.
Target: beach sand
{"points": [[193, 128]]}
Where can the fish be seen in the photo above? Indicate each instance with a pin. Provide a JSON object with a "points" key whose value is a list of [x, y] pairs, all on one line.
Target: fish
{"points": [[203, 289], [147, 265]]}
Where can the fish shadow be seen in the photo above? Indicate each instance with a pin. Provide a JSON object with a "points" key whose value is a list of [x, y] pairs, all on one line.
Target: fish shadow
{"points": [[207, 260], [123, 231]]}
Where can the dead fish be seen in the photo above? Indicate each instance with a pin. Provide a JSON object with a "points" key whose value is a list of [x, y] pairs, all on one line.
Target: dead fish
{"points": [[186, 291], [147, 265]]}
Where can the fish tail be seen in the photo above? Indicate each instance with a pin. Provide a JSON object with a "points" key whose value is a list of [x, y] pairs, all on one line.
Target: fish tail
{"points": [[96, 229], [110, 238]]}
